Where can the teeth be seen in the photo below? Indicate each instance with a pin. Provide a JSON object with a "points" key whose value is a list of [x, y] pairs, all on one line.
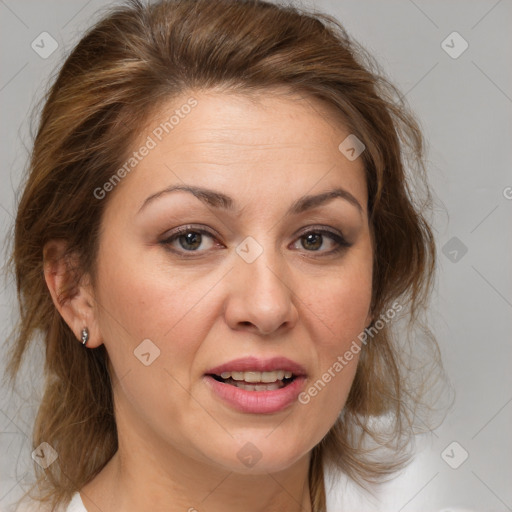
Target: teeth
{"points": [[257, 376]]}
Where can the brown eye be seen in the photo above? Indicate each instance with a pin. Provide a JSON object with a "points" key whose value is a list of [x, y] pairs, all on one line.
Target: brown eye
{"points": [[314, 239], [189, 239]]}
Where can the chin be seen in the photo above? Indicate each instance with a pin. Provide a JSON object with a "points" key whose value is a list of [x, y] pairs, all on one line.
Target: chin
{"points": [[260, 453]]}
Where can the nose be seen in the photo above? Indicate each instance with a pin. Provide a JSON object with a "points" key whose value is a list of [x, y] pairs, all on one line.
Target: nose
{"points": [[261, 298]]}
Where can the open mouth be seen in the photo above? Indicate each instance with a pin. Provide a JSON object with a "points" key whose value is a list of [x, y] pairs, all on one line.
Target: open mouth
{"points": [[256, 381]]}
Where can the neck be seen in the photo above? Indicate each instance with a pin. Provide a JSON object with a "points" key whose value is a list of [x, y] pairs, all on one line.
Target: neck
{"points": [[140, 477]]}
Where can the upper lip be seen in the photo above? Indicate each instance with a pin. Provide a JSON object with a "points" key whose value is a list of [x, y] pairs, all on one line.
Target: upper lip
{"points": [[246, 364]]}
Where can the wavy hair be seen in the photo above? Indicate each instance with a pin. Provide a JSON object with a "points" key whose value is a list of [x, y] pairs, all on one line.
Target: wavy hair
{"points": [[135, 58]]}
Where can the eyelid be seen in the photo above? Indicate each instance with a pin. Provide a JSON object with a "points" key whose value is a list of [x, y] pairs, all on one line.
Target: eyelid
{"points": [[185, 229], [320, 229]]}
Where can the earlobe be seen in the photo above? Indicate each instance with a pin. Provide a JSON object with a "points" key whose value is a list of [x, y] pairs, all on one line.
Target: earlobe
{"points": [[72, 298]]}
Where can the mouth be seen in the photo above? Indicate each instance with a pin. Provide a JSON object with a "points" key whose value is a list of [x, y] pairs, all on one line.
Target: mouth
{"points": [[255, 380], [258, 386]]}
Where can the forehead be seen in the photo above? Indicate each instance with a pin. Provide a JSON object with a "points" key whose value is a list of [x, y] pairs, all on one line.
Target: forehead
{"points": [[262, 141], [264, 120]]}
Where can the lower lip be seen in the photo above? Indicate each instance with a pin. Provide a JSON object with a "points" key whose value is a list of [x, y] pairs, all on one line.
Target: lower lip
{"points": [[257, 402]]}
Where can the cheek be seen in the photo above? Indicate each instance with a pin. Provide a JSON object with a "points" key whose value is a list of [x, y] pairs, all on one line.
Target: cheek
{"points": [[339, 311], [341, 306], [142, 297], [152, 332], [138, 301]]}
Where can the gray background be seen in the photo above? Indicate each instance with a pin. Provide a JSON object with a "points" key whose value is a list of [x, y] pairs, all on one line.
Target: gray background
{"points": [[464, 105]]}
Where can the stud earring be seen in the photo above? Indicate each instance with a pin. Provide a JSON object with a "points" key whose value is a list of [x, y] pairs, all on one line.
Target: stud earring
{"points": [[85, 336]]}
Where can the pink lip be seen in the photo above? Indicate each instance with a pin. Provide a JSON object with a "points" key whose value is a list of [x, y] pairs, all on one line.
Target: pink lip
{"points": [[246, 364], [257, 402]]}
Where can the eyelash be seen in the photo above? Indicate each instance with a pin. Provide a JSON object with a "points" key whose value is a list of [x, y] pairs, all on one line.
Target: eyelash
{"points": [[342, 244]]}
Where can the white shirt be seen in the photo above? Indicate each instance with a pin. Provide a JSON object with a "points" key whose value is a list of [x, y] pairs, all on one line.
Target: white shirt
{"points": [[76, 504]]}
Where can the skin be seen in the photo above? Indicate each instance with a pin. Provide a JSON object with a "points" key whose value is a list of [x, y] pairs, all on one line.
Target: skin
{"points": [[178, 442]]}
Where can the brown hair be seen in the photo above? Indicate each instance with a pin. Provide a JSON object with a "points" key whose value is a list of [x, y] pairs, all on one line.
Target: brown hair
{"points": [[135, 58]]}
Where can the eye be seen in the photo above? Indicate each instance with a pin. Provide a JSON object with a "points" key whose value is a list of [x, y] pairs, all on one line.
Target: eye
{"points": [[314, 239], [189, 239]]}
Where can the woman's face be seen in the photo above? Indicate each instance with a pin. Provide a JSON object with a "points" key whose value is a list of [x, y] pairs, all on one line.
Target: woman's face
{"points": [[260, 259]]}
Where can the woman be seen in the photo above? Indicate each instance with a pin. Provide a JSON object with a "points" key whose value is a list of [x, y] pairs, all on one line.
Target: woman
{"points": [[216, 239]]}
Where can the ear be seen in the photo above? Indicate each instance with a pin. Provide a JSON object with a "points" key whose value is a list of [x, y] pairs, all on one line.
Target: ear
{"points": [[73, 298]]}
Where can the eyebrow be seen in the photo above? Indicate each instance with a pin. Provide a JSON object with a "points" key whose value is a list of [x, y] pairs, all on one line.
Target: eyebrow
{"points": [[221, 201]]}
